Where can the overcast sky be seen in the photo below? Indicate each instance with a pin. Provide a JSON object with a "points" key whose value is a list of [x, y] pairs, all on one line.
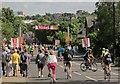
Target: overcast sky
{"points": [[49, 6]]}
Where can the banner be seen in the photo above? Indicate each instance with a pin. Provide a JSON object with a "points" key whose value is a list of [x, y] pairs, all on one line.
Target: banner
{"points": [[13, 42], [46, 27], [57, 42], [86, 42], [16, 42], [21, 40]]}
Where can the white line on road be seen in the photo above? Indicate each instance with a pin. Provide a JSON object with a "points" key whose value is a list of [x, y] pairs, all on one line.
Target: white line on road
{"points": [[77, 73], [111, 72], [98, 69], [91, 78], [80, 74]]}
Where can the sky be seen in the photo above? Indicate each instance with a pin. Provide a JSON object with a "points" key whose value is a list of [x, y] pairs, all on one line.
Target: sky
{"points": [[33, 7]]}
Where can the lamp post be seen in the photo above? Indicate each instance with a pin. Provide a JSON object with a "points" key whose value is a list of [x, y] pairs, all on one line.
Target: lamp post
{"points": [[68, 30], [114, 37]]}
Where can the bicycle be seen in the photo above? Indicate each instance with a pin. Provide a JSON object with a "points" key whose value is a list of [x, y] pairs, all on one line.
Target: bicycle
{"points": [[52, 81], [84, 66]]}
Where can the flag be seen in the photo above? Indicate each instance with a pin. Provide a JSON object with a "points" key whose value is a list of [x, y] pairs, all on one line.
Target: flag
{"points": [[86, 42]]}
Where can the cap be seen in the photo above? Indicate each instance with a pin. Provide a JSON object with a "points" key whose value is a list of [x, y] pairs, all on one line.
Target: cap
{"points": [[51, 52]]}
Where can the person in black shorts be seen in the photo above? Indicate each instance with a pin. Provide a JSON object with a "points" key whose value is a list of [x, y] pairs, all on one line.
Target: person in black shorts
{"points": [[40, 61], [68, 56]]}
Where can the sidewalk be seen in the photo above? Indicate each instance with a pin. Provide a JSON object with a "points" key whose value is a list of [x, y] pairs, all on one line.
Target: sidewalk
{"points": [[14, 79]]}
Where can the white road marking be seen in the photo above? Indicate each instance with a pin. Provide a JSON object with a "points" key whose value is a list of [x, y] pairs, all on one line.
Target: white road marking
{"points": [[87, 76], [77, 73], [91, 78], [98, 69], [80, 74]]}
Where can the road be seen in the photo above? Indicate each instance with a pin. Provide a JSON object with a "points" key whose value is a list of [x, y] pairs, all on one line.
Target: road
{"points": [[77, 75]]}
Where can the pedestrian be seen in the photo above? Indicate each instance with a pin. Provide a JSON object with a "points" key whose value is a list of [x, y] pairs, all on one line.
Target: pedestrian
{"points": [[8, 63], [4, 54], [15, 62], [52, 62], [25, 60], [40, 61]]}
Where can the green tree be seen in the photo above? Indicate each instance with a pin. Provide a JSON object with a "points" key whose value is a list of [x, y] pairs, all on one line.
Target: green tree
{"points": [[104, 13]]}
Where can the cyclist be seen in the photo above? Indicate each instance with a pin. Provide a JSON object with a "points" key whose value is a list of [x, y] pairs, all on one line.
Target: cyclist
{"points": [[107, 61], [88, 56], [67, 58], [102, 55]]}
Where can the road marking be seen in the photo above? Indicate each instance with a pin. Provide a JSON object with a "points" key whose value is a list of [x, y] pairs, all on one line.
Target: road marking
{"points": [[114, 73], [73, 72], [85, 76], [98, 69], [91, 78], [77, 73], [111, 72]]}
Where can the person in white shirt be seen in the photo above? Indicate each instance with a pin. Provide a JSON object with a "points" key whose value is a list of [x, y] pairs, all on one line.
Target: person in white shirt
{"points": [[9, 63], [52, 63]]}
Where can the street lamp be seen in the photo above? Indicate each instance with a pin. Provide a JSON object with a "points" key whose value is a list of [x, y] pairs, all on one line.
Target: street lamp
{"points": [[114, 30]]}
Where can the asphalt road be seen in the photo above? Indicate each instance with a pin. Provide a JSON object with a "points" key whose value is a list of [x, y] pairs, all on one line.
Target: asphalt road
{"points": [[78, 77], [77, 74]]}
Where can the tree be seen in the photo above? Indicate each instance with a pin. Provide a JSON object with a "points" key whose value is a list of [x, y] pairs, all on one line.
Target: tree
{"points": [[107, 35], [11, 24], [104, 13]]}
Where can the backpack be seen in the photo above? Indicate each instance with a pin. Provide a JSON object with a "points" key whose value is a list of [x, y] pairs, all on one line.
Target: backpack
{"points": [[108, 57], [70, 55], [40, 59], [23, 58], [8, 57]]}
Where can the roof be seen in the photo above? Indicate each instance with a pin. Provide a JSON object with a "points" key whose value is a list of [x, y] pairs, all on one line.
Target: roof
{"points": [[89, 20]]}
